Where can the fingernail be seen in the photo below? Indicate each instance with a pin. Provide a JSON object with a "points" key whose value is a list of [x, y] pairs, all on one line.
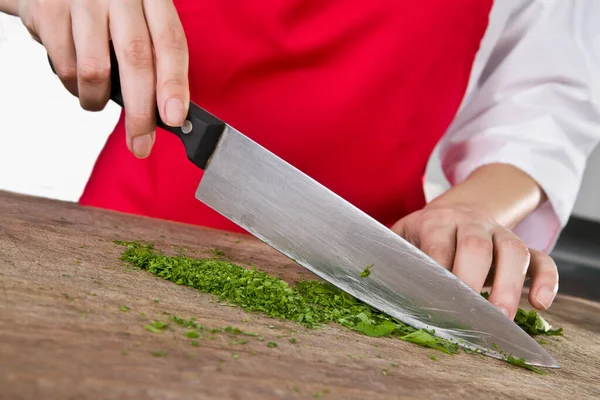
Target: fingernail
{"points": [[545, 296], [142, 145], [174, 112], [504, 311]]}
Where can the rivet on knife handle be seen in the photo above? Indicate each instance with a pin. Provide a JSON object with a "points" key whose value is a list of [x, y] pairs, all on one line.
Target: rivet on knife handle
{"points": [[200, 133]]}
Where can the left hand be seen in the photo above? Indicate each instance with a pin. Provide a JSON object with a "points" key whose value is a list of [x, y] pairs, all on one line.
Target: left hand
{"points": [[481, 252]]}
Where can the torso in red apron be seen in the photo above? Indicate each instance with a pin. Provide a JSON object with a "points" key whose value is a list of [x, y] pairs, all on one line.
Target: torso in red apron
{"points": [[354, 93]]}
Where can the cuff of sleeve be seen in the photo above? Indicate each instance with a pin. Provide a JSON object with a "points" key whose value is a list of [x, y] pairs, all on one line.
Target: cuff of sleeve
{"points": [[540, 229]]}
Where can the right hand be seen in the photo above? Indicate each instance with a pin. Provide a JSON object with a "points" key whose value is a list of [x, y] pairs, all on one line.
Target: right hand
{"points": [[150, 46]]}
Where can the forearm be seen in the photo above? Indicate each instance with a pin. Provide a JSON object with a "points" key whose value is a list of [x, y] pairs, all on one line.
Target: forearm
{"points": [[502, 191], [9, 7]]}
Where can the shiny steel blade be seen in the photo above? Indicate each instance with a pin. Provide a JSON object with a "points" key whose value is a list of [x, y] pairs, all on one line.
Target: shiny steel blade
{"points": [[329, 236]]}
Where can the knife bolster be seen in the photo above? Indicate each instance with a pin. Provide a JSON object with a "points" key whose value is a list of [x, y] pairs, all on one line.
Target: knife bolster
{"points": [[201, 141]]}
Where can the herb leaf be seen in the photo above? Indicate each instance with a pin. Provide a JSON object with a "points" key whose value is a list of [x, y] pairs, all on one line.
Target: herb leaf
{"points": [[425, 339], [366, 272], [532, 322]]}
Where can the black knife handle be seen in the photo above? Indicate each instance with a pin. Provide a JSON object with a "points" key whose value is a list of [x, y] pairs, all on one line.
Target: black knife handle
{"points": [[206, 129]]}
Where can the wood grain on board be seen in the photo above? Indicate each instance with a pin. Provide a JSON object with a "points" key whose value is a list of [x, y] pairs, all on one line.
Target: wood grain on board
{"points": [[63, 335]]}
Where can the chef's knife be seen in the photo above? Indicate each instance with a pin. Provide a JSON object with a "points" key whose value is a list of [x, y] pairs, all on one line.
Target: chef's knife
{"points": [[307, 222]]}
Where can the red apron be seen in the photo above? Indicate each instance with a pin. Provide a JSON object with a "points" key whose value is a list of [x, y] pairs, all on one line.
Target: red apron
{"points": [[354, 93]]}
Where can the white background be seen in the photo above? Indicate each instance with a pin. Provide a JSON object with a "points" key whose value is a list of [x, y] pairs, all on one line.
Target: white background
{"points": [[48, 144]]}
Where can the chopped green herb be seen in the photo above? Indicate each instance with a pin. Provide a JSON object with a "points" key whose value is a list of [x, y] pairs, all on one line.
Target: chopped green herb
{"points": [[190, 355], [425, 339], [311, 303], [272, 344], [316, 395], [192, 334], [186, 323], [158, 354], [296, 389], [156, 300], [293, 340], [123, 352], [366, 272], [66, 296], [434, 358], [124, 308], [542, 341], [494, 345], [384, 372], [534, 324], [156, 326], [235, 356], [235, 331], [531, 322], [217, 252], [394, 364], [242, 341], [195, 343], [520, 362], [83, 315]]}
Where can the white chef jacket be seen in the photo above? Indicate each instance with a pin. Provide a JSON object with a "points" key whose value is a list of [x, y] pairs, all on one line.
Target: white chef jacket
{"points": [[533, 102]]}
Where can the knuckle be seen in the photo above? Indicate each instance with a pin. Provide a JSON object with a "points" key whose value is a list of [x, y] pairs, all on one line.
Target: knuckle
{"points": [[40, 5], [507, 290], [45, 8], [515, 246], [445, 217], [140, 121], [66, 71], [477, 244], [433, 221], [174, 83], [172, 38], [92, 71], [442, 254], [138, 53], [548, 266]]}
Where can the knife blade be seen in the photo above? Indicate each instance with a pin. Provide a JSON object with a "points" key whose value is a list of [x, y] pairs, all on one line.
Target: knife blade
{"points": [[307, 222]]}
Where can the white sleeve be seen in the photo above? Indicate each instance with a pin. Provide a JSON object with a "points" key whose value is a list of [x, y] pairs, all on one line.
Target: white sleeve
{"points": [[535, 106]]}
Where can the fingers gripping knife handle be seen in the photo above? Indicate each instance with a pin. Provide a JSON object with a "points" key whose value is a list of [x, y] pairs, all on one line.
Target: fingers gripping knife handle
{"points": [[200, 133]]}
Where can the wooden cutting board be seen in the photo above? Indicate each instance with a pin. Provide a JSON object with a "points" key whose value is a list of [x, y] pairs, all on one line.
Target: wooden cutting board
{"points": [[63, 335]]}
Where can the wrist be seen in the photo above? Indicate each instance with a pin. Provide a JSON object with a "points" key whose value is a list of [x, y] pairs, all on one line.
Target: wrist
{"points": [[503, 192]]}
